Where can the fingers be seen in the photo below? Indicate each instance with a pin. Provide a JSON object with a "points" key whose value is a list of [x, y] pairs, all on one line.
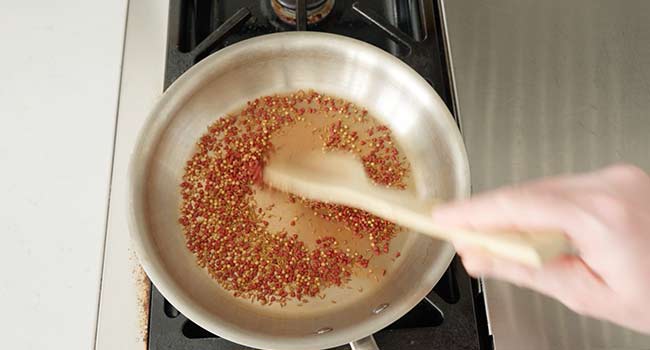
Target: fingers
{"points": [[625, 173], [526, 207], [567, 279], [551, 203], [478, 262], [627, 181], [573, 283]]}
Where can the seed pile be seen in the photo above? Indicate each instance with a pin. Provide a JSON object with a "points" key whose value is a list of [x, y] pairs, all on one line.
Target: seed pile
{"points": [[227, 231]]}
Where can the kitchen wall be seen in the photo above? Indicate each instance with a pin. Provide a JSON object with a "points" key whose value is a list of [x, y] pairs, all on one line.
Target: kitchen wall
{"points": [[549, 87]]}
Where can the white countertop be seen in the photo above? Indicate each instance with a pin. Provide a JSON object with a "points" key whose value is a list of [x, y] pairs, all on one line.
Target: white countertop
{"points": [[59, 77]]}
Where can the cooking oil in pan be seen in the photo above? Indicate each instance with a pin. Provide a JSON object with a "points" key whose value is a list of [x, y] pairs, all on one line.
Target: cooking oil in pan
{"points": [[312, 121]]}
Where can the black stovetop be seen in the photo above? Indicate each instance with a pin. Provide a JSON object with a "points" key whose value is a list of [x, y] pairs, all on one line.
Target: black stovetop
{"points": [[452, 316]]}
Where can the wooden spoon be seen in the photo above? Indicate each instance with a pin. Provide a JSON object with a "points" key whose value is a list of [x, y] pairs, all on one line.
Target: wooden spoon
{"points": [[341, 179]]}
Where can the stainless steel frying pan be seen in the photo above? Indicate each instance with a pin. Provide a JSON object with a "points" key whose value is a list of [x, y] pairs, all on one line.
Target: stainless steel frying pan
{"points": [[278, 63]]}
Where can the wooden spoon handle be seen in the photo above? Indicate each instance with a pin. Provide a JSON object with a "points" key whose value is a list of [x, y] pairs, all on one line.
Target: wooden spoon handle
{"points": [[530, 248], [342, 180]]}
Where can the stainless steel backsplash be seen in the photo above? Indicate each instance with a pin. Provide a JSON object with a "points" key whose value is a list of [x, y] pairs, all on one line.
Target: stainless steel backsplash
{"points": [[549, 87]]}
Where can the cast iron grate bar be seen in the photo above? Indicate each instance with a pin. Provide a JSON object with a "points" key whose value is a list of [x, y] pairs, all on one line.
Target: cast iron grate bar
{"points": [[184, 60], [223, 30], [301, 15], [379, 21]]}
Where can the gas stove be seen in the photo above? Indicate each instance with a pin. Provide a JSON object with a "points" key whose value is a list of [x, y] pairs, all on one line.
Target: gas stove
{"points": [[453, 314]]}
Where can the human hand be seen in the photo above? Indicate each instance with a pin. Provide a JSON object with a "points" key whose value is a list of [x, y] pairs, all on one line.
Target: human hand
{"points": [[606, 215]]}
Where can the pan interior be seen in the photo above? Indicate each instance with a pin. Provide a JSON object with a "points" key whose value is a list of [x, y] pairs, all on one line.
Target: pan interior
{"points": [[283, 63]]}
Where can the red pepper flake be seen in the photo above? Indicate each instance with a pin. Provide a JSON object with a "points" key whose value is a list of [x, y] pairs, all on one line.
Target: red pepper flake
{"points": [[228, 233]]}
